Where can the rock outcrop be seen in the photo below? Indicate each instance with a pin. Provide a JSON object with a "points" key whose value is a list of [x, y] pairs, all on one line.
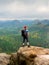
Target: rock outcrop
{"points": [[30, 56], [4, 59], [26, 56]]}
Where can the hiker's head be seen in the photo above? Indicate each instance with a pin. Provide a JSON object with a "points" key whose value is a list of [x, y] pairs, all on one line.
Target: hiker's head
{"points": [[25, 27]]}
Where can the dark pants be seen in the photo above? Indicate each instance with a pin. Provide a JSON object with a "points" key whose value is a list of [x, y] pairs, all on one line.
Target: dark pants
{"points": [[25, 39]]}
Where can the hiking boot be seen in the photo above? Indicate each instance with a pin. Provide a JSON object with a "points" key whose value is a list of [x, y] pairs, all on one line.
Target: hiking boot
{"points": [[23, 45], [28, 44]]}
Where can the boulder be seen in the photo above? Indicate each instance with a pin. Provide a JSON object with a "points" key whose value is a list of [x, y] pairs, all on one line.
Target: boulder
{"points": [[30, 56], [33, 56], [4, 59]]}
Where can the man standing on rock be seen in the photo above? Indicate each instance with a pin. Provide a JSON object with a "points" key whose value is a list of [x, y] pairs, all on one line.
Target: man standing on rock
{"points": [[25, 34]]}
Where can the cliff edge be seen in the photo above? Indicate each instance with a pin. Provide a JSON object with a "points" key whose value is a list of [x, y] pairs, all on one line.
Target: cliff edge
{"points": [[26, 56], [30, 56]]}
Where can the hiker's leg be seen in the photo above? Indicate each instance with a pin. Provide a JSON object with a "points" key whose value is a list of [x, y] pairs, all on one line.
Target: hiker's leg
{"points": [[27, 42], [27, 39], [23, 41]]}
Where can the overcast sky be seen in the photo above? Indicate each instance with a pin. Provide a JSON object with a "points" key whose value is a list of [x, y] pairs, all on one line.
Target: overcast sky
{"points": [[24, 9]]}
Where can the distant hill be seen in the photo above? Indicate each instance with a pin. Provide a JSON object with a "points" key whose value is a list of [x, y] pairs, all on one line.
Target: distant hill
{"points": [[10, 34], [39, 27], [14, 26], [19, 23]]}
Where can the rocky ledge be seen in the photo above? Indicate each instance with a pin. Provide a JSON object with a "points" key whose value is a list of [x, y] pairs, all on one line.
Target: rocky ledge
{"points": [[30, 56], [26, 56]]}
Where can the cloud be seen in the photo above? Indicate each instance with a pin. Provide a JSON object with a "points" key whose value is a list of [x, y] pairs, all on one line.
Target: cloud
{"points": [[24, 9]]}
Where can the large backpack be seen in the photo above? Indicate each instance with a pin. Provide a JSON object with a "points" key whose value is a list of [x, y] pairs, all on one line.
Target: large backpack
{"points": [[24, 33]]}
